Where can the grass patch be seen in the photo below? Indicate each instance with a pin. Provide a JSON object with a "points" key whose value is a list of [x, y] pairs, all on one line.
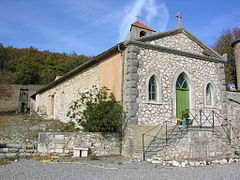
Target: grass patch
{"points": [[24, 128], [70, 127], [44, 158], [3, 161], [93, 157], [36, 158]]}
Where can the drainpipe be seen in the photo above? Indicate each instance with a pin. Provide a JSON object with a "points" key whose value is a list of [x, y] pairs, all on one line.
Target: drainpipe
{"points": [[122, 87]]}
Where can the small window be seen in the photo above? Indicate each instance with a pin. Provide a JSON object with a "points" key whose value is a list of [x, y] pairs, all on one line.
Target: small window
{"points": [[209, 98], [142, 33], [153, 89]]}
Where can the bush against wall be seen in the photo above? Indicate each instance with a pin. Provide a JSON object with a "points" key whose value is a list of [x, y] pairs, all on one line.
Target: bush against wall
{"points": [[97, 110]]}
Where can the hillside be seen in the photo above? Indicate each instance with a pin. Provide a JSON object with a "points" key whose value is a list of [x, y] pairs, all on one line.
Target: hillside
{"points": [[31, 66]]}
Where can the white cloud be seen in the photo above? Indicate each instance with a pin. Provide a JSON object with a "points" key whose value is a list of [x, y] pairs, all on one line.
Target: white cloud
{"points": [[154, 13]]}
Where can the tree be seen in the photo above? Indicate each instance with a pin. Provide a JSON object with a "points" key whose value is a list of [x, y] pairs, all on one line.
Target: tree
{"points": [[223, 45], [47, 64], [5, 89], [74, 62], [53, 66], [97, 111], [27, 71]]}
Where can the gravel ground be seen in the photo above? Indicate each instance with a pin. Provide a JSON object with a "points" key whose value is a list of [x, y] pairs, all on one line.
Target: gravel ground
{"points": [[35, 170]]}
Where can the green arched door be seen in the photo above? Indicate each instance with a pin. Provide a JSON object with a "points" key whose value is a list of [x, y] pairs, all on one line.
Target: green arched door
{"points": [[182, 95]]}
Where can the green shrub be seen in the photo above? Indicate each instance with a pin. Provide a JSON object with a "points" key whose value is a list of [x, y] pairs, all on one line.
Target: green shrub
{"points": [[237, 153], [208, 163], [70, 127], [97, 111]]}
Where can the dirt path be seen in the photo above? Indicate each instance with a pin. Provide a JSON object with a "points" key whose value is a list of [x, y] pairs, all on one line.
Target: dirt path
{"points": [[28, 169]]}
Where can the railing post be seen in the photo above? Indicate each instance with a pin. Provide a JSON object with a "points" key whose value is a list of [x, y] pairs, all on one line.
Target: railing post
{"points": [[166, 133], [143, 147], [213, 116], [230, 133], [200, 113]]}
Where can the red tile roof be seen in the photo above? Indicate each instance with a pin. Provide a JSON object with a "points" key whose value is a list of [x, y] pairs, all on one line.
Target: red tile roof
{"points": [[141, 25]]}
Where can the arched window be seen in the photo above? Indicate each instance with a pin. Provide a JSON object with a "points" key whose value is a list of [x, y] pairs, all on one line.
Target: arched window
{"points": [[209, 95], [142, 33], [153, 89], [182, 81]]}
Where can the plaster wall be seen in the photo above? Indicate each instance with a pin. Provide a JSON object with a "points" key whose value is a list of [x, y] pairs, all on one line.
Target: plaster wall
{"points": [[54, 103], [110, 74]]}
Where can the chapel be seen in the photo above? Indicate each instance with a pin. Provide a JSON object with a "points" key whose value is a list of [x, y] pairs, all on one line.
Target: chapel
{"points": [[157, 76]]}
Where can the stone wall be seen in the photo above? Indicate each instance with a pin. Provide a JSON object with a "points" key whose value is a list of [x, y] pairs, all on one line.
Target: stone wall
{"points": [[16, 150], [63, 143], [180, 42], [167, 67], [197, 145], [55, 102], [234, 114]]}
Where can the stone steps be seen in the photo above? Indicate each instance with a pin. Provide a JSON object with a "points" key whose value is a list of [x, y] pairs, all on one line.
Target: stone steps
{"points": [[159, 144], [16, 150]]}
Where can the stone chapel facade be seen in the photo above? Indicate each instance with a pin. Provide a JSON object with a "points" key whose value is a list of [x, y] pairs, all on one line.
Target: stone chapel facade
{"points": [[156, 76]]}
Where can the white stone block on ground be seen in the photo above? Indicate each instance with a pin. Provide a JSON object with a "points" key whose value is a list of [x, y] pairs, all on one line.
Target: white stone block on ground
{"points": [[175, 163], [80, 152], [223, 161], [155, 161], [184, 163]]}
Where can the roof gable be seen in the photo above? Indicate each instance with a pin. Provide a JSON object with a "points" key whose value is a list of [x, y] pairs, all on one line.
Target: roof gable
{"points": [[200, 47]]}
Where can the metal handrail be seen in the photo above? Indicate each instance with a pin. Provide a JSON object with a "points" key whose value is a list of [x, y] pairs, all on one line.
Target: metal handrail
{"points": [[154, 137], [201, 118], [231, 128], [166, 138]]}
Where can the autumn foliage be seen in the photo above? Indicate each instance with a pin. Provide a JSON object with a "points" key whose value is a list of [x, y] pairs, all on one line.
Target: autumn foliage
{"points": [[223, 45], [31, 66], [5, 89]]}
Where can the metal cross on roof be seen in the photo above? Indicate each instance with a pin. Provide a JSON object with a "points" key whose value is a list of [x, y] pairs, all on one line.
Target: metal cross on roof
{"points": [[138, 17], [179, 16], [179, 23]]}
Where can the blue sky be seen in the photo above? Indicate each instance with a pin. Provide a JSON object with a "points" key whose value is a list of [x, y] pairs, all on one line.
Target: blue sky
{"points": [[92, 26]]}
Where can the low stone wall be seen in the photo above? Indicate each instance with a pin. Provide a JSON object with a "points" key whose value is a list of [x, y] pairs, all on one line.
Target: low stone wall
{"points": [[63, 143], [16, 150], [234, 115], [198, 145]]}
